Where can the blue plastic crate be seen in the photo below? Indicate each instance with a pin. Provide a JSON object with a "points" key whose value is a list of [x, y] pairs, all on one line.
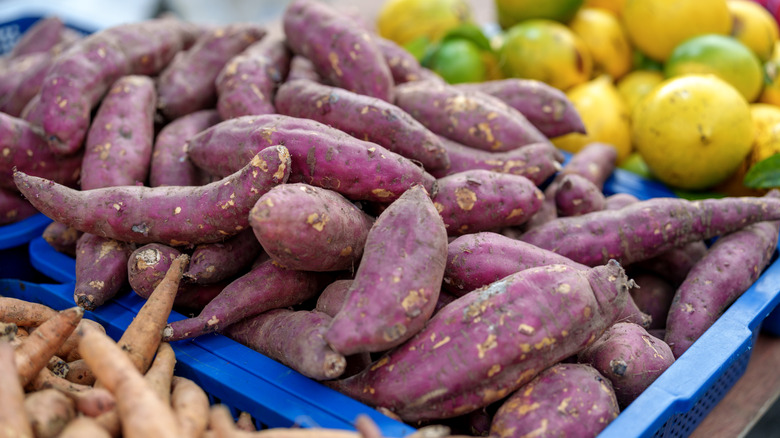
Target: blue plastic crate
{"points": [[14, 252]]}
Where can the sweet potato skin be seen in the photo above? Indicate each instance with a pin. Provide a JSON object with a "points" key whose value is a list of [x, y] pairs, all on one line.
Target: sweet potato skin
{"points": [[173, 215], [101, 270], [567, 399], [333, 297], [364, 117], [301, 67], [653, 296], [14, 207], [62, 238], [21, 79], [310, 228], [515, 328], [404, 67], [342, 53], [321, 156], [213, 262], [118, 149], [576, 195], [40, 37], [397, 283]]}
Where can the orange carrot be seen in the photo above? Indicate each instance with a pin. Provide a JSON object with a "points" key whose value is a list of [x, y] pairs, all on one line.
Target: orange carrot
{"points": [[49, 412], [82, 427], [34, 352], [221, 423], [13, 417], [89, 400], [141, 412], [69, 350], [160, 373], [58, 366], [190, 405], [366, 427], [24, 313], [79, 372], [8, 330], [245, 422]]}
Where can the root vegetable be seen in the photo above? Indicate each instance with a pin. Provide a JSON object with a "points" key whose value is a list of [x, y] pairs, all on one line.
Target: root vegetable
{"points": [[49, 412], [190, 406], [34, 352], [101, 270], [13, 416], [214, 262]]}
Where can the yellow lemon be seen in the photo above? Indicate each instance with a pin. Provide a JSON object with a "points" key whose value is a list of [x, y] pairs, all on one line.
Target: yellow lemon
{"points": [[511, 12], [404, 21], [613, 6], [693, 131], [636, 84], [547, 51], [604, 114], [722, 56], [754, 26], [771, 90], [607, 42], [656, 27]]}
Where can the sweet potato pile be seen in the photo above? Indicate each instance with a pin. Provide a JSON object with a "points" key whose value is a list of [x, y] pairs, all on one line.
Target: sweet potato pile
{"points": [[327, 201]]}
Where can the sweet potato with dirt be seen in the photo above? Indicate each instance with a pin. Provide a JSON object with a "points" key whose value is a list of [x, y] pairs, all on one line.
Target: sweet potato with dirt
{"points": [[342, 53], [544, 106], [34, 352], [41, 37], [537, 161], [310, 228], [62, 238], [247, 83], [301, 67], [404, 67], [675, 264], [567, 399], [176, 215], [24, 148], [575, 195], [118, 148], [187, 83], [14, 207], [619, 200], [363, 117], [169, 165], [485, 345], [397, 283], [49, 411], [653, 296], [294, 338], [101, 270], [213, 262], [480, 200], [266, 286], [472, 118], [13, 416], [629, 357], [21, 79], [732, 264], [321, 156], [648, 228], [333, 297]]}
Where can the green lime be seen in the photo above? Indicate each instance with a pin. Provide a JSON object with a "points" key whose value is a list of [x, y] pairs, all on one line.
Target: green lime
{"points": [[458, 60], [636, 164], [511, 12]]}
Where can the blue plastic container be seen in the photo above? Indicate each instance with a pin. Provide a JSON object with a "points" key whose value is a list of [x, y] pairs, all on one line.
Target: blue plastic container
{"points": [[14, 252]]}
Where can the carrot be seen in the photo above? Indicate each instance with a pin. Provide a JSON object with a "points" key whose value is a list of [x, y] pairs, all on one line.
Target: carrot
{"points": [[245, 422], [221, 422], [190, 406], [366, 426], [141, 411], [84, 427], [35, 351], [69, 349], [89, 400], [24, 313], [57, 366], [13, 417], [49, 411], [79, 372], [160, 373], [8, 331]]}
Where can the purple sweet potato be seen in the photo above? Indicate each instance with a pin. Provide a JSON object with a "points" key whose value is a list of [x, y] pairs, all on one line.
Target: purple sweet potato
{"points": [[648, 228], [576, 195], [321, 156], [478, 259], [170, 165], [404, 67], [364, 117], [342, 53], [118, 149], [595, 162], [544, 106], [536, 162], [294, 338], [629, 357], [41, 37], [333, 297], [567, 399], [175, 215], [630, 312], [472, 118], [485, 345], [675, 264], [619, 200], [480, 200], [101, 270], [247, 83], [397, 283], [213, 262], [265, 287], [732, 264], [187, 83], [21, 79], [24, 148], [301, 67], [310, 228], [13, 207], [62, 238], [653, 296]]}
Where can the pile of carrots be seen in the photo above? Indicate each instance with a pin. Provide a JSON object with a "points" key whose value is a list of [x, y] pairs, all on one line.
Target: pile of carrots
{"points": [[62, 375]]}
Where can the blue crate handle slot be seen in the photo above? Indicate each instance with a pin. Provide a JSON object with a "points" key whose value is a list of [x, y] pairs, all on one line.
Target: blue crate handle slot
{"points": [[19, 233]]}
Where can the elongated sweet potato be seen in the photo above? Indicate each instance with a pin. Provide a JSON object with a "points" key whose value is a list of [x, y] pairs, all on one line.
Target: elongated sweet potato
{"points": [[629, 357], [187, 83], [480, 200], [397, 283], [675, 264], [294, 338], [247, 83], [333, 297], [619, 200], [310, 228], [404, 67], [364, 117], [321, 156], [653, 296], [537, 161], [732, 264], [101, 270], [23, 147], [485, 345], [567, 399], [301, 67], [576, 195], [266, 286], [177, 215], [49, 411], [14, 207], [472, 118], [118, 149], [41, 37], [213, 262], [169, 164], [21, 79], [345, 54], [648, 228]]}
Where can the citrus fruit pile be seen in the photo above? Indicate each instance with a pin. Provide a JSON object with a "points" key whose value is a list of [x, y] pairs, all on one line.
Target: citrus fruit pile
{"points": [[687, 91]]}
